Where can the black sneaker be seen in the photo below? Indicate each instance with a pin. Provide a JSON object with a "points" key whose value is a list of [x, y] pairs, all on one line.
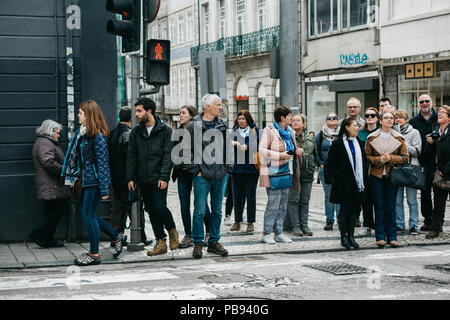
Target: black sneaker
{"points": [[328, 226], [87, 260], [425, 227], [432, 234], [413, 231], [37, 240]]}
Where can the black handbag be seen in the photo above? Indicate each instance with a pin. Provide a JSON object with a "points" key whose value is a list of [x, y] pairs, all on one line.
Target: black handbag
{"points": [[409, 175]]}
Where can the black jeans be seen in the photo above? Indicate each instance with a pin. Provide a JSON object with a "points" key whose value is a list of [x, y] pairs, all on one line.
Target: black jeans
{"points": [[438, 214], [229, 194], [347, 217], [367, 209], [121, 211], [156, 203], [244, 187], [426, 204], [54, 210]]}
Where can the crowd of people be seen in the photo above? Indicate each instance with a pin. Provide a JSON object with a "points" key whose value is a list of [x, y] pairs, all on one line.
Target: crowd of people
{"points": [[354, 157]]}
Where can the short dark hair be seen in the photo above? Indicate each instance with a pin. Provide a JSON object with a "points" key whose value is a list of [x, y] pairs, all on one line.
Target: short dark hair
{"points": [[281, 111], [147, 103], [247, 116], [384, 100], [125, 114]]}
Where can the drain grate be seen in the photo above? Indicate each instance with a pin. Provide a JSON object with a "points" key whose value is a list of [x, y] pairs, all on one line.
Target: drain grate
{"points": [[338, 269], [228, 278]]}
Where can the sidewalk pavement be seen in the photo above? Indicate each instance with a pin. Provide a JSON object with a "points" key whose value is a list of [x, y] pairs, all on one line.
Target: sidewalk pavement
{"points": [[239, 244]]}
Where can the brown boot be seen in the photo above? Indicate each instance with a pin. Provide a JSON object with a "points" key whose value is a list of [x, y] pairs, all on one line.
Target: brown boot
{"points": [[173, 239], [160, 248], [235, 227], [250, 227]]}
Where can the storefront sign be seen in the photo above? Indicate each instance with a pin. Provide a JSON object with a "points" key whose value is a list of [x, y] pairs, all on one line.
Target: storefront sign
{"points": [[420, 70], [176, 118], [353, 59]]}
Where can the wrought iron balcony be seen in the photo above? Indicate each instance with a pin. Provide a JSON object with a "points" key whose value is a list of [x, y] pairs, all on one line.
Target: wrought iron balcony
{"points": [[242, 45]]}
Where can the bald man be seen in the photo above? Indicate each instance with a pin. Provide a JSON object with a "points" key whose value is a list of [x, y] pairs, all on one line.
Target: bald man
{"points": [[425, 122]]}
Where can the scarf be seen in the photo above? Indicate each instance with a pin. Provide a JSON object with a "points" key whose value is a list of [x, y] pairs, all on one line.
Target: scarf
{"points": [[404, 128], [358, 171], [70, 168], [330, 134], [286, 136], [244, 132]]}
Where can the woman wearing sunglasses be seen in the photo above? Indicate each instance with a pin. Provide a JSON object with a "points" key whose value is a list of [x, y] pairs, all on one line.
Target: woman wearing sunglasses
{"points": [[371, 124], [324, 138], [385, 148]]}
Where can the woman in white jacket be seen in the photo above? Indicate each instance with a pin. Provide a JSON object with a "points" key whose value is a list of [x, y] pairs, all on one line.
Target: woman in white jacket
{"points": [[414, 144]]}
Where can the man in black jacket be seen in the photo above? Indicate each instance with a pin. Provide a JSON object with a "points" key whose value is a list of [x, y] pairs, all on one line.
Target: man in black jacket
{"points": [[149, 164], [209, 163], [118, 143], [425, 122]]}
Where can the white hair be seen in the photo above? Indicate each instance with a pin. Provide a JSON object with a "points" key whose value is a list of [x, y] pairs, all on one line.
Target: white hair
{"points": [[48, 128], [210, 98]]}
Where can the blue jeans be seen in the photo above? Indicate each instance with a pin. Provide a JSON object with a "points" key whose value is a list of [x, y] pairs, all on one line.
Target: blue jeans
{"points": [[384, 199], [330, 208], [202, 188], [184, 194], [411, 197], [89, 206]]}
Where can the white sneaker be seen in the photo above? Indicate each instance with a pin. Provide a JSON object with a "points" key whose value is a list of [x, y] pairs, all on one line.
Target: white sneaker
{"points": [[268, 239], [365, 231], [282, 238], [227, 221]]}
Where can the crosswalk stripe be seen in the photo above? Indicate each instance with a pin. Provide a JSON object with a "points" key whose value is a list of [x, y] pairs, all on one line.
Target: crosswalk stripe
{"points": [[75, 277]]}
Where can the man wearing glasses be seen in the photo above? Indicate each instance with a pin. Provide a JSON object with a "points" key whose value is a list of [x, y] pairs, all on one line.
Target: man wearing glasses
{"points": [[425, 122], [354, 108]]}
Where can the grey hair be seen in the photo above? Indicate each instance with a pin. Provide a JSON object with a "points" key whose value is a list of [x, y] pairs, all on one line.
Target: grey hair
{"points": [[210, 98], [48, 128]]}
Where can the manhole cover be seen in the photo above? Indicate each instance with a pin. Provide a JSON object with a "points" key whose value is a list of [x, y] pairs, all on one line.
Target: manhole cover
{"points": [[440, 267], [228, 278], [338, 268]]}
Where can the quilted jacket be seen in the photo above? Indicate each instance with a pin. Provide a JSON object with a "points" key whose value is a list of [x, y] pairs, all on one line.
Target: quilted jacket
{"points": [[96, 168]]}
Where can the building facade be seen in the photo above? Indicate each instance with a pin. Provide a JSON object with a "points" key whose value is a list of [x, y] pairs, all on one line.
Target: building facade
{"points": [[415, 51], [340, 52]]}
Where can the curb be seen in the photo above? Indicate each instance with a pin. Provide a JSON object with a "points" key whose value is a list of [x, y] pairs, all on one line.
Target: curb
{"points": [[35, 265]]}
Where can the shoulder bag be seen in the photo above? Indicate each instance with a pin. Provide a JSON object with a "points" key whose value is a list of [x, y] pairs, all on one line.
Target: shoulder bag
{"points": [[280, 177], [408, 175]]}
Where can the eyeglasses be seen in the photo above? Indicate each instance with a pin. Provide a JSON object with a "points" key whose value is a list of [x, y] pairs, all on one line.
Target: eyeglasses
{"points": [[371, 115], [424, 101], [353, 107], [332, 118]]}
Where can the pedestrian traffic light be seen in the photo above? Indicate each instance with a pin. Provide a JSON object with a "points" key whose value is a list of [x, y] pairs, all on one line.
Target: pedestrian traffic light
{"points": [[129, 28], [157, 62]]}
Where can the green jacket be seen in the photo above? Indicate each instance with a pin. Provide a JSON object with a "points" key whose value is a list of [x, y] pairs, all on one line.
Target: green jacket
{"points": [[307, 161]]}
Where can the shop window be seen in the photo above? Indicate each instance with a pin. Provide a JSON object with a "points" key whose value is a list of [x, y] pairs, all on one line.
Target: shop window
{"points": [[320, 102], [409, 91]]}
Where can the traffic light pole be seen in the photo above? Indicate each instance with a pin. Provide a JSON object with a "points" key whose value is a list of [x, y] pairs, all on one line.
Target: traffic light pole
{"points": [[136, 241]]}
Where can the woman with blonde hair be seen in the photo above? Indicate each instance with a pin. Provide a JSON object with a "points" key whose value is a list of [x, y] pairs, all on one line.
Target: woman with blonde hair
{"points": [[87, 159]]}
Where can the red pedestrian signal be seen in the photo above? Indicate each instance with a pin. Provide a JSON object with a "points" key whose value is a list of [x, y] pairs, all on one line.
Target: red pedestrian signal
{"points": [[157, 62]]}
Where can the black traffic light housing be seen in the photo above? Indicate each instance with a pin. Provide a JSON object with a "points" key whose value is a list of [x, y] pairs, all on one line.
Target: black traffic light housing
{"points": [[129, 28], [157, 62]]}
